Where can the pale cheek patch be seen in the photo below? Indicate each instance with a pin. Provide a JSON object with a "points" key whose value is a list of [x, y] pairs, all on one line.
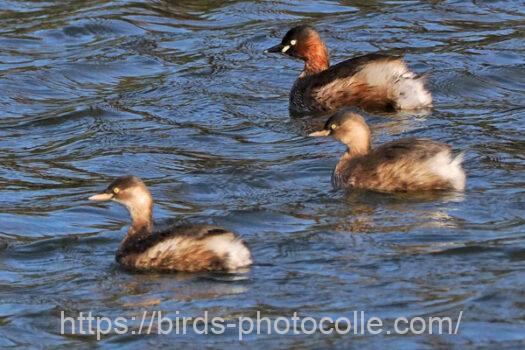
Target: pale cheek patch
{"points": [[286, 48]]}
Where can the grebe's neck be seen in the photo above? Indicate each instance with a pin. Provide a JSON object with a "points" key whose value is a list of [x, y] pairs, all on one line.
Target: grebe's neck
{"points": [[347, 157], [140, 207], [315, 55], [358, 149], [141, 220]]}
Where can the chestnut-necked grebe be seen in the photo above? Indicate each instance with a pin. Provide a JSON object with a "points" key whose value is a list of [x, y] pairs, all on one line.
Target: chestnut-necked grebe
{"points": [[374, 82], [409, 164], [189, 248]]}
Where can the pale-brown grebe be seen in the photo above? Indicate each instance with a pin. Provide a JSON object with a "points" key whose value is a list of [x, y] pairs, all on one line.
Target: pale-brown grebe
{"points": [[189, 248], [409, 164]]}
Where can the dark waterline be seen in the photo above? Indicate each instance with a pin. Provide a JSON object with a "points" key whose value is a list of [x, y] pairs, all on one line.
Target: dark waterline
{"points": [[183, 96]]}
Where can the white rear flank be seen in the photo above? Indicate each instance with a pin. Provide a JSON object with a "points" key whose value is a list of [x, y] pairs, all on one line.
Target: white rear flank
{"points": [[401, 85], [411, 93], [450, 169], [232, 248]]}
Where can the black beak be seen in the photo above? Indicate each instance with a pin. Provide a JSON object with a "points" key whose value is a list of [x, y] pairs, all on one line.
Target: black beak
{"points": [[276, 48]]}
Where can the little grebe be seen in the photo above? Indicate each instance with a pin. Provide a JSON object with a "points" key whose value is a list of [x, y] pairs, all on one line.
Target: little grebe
{"points": [[374, 82], [189, 248], [409, 164]]}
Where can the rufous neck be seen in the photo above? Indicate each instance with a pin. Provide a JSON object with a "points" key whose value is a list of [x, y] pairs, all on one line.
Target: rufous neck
{"points": [[316, 58]]}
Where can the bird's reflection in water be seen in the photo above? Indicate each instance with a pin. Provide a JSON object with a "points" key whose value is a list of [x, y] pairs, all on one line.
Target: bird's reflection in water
{"points": [[148, 290], [360, 213]]}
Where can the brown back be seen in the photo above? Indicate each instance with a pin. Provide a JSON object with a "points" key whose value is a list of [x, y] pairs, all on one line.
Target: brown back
{"points": [[395, 166]]}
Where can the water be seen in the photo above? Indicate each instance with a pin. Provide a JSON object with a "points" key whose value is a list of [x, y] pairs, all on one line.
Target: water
{"points": [[183, 96]]}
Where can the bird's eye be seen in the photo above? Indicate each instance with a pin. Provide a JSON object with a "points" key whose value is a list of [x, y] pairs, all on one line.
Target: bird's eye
{"points": [[333, 126], [293, 42], [116, 190]]}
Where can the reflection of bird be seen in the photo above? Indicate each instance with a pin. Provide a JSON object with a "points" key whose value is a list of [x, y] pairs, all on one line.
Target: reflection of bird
{"points": [[409, 164], [374, 82], [188, 248]]}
